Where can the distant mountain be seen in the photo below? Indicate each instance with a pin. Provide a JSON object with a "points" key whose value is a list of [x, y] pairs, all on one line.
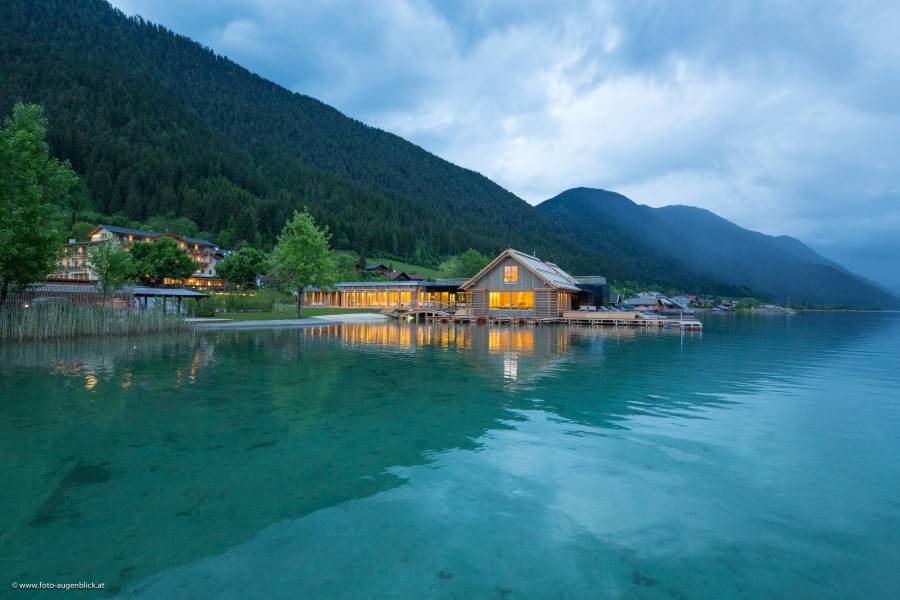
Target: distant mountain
{"points": [[675, 244]]}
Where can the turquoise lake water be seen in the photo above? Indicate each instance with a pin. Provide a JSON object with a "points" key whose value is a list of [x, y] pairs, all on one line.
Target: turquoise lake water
{"points": [[760, 459]]}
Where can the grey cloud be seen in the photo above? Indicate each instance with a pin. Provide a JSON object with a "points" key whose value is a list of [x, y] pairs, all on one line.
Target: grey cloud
{"points": [[779, 116]]}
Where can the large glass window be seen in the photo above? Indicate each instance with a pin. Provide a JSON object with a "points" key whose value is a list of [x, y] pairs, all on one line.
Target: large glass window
{"points": [[510, 274], [512, 300]]}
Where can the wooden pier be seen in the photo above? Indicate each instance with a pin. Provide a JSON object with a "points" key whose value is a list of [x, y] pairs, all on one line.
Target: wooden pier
{"points": [[572, 317], [629, 319]]}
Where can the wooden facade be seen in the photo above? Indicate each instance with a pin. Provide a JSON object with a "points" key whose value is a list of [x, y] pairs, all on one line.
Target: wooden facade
{"points": [[518, 285]]}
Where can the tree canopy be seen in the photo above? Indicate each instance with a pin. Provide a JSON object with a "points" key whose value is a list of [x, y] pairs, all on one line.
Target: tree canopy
{"points": [[111, 264], [302, 257], [162, 258], [465, 265], [241, 268], [31, 185]]}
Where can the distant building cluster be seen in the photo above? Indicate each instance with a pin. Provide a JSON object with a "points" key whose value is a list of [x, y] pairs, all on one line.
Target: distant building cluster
{"points": [[73, 266]]}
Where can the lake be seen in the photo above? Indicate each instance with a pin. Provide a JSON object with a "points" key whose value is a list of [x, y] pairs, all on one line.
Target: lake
{"points": [[760, 459]]}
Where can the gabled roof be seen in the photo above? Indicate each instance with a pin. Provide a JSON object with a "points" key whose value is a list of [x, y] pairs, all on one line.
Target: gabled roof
{"points": [[125, 230], [404, 276], [150, 234], [547, 272], [376, 266], [191, 240]]}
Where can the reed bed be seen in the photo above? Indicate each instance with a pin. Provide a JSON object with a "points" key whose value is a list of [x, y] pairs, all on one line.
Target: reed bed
{"points": [[66, 321]]}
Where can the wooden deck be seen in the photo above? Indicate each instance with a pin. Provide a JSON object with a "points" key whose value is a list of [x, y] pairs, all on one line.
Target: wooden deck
{"points": [[629, 319], [573, 317]]}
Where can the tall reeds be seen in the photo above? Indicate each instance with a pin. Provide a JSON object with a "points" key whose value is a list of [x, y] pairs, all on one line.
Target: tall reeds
{"points": [[65, 321]]}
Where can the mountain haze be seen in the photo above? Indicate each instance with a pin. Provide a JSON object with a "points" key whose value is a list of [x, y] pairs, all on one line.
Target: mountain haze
{"points": [[674, 244], [156, 125]]}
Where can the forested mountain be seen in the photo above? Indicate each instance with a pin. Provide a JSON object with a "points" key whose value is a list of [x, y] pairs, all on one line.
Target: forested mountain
{"points": [[681, 245], [164, 132], [156, 124]]}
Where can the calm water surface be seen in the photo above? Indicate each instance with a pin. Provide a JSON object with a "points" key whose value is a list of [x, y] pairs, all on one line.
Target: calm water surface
{"points": [[759, 460]]}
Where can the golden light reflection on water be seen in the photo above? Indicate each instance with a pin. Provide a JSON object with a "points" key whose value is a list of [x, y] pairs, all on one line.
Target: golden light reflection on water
{"points": [[195, 367], [510, 344], [409, 336], [509, 339]]}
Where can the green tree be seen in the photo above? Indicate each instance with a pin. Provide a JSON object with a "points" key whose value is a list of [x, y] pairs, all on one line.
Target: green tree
{"points": [[345, 266], [465, 265], [155, 261], [302, 257], [31, 185], [111, 264], [241, 268], [80, 230], [470, 262]]}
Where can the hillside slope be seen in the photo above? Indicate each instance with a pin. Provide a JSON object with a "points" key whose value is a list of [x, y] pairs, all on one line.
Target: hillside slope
{"points": [[683, 243], [156, 124]]}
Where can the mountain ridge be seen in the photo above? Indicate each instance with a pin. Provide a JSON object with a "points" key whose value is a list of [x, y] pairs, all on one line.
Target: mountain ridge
{"points": [[702, 243]]}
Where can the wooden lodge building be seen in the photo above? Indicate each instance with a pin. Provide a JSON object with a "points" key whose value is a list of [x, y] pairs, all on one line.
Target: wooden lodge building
{"points": [[519, 285], [513, 285]]}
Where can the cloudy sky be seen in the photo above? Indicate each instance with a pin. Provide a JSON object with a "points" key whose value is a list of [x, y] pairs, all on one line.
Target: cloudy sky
{"points": [[783, 117]]}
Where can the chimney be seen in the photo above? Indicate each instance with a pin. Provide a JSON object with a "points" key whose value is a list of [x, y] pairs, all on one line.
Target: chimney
{"points": [[71, 240]]}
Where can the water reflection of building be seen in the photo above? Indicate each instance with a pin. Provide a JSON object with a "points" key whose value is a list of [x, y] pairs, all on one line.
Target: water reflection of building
{"points": [[405, 335], [510, 352]]}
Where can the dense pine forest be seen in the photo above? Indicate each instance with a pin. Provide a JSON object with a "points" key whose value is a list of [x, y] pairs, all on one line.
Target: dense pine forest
{"points": [[156, 125], [164, 134]]}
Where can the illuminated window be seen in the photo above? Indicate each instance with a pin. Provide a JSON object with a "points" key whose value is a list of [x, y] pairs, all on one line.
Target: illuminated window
{"points": [[512, 300], [510, 274]]}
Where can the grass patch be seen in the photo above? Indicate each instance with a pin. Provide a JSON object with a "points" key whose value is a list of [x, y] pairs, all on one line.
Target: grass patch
{"points": [[398, 265]]}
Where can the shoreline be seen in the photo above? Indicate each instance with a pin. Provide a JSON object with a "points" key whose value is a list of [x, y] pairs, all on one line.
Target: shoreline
{"points": [[216, 324]]}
